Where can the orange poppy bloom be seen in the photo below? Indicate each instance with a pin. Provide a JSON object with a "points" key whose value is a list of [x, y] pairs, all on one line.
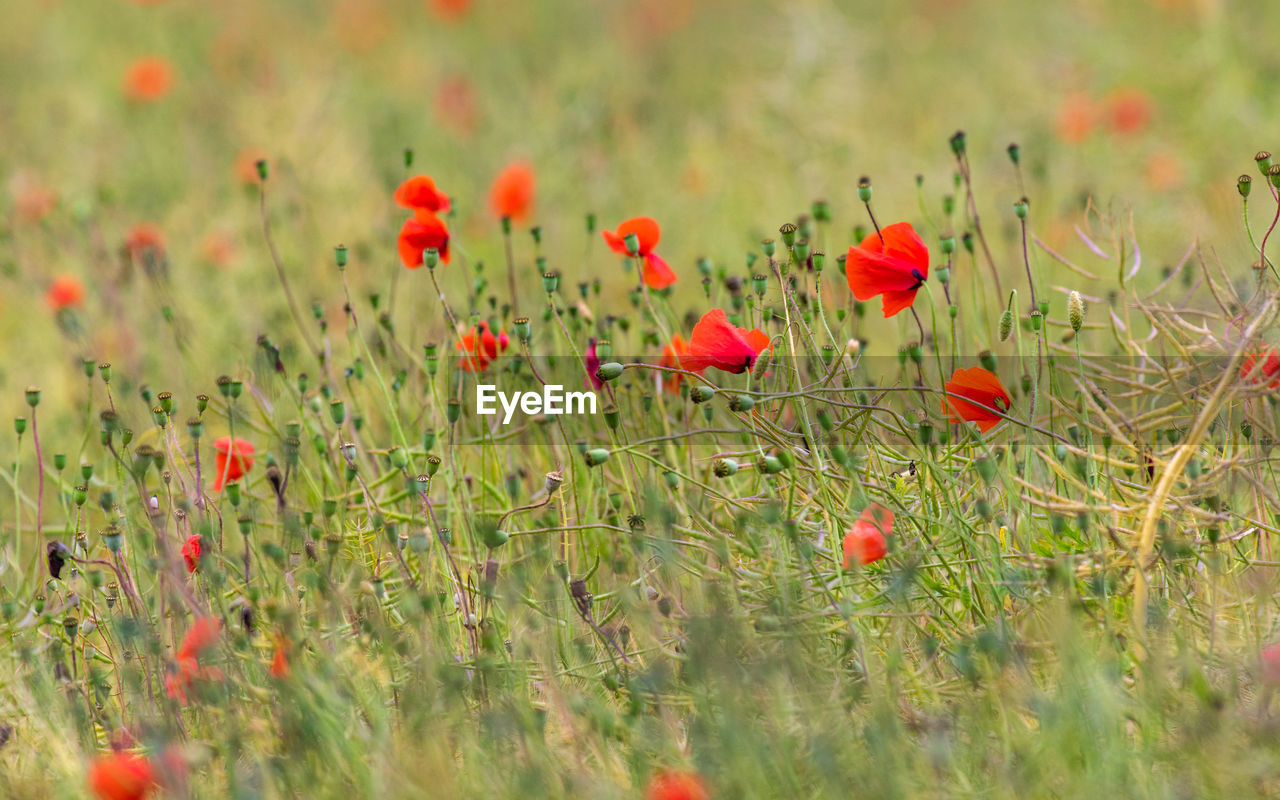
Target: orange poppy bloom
{"points": [[1128, 110], [419, 232], [672, 354], [420, 194], [657, 273], [122, 776], [479, 354], [231, 461], [65, 291], [148, 79], [865, 542], [985, 399], [218, 248], [511, 195], [191, 553], [280, 658], [893, 264], [247, 165], [202, 636], [145, 239], [715, 342], [673, 785], [1262, 368], [451, 9], [1076, 117], [32, 199]]}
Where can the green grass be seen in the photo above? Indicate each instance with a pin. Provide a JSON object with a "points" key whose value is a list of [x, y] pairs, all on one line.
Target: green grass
{"points": [[1072, 605]]}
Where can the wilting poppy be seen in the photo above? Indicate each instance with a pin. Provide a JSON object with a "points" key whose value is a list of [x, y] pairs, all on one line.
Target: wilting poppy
{"points": [[148, 79], [480, 352], [65, 291], [422, 231], [592, 362], [511, 196], [1076, 117], [122, 776], [893, 263], [1262, 368], [865, 542], [191, 553], [674, 785], [145, 240], [1128, 110], [715, 342], [231, 461], [420, 194], [984, 398], [657, 273]]}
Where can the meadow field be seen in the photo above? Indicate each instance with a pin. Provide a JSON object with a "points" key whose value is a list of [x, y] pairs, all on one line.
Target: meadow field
{"points": [[883, 398]]}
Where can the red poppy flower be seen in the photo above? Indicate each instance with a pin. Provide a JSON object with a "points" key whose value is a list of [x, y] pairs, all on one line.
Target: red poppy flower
{"points": [[1075, 117], [231, 461], [673, 785], [511, 196], [32, 199], [122, 776], [592, 362], [1128, 110], [451, 9], [456, 104], [893, 263], [1262, 368], [672, 356], [657, 273], [145, 240], [865, 541], [985, 399], [148, 79], [419, 232], [65, 291], [717, 343], [420, 193], [480, 353], [191, 553], [1271, 664], [247, 165], [202, 636], [218, 248], [280, 659]]}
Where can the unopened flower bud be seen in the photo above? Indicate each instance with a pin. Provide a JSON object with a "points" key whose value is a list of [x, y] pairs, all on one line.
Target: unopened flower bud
{"points": [[1075, 311]]}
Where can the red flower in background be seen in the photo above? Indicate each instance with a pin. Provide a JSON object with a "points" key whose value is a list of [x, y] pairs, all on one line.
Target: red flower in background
{"points": [[280, 658], [122, 776], [1128, 110], [592, 362], [455, 104], [672, 355], [1076, 117], [865, 541], [657, 273], [231, 461], [419, 232], [451, 9], [420, 194], [673, 785], [511, 196], [65, 291], [1271, 664], [145, 240], [246, 167], [32, 199], [984, 396], [1262, 368], [715, 342], [202, 636], [191, 553], [480, 351], [148, 79], [893, 263]]}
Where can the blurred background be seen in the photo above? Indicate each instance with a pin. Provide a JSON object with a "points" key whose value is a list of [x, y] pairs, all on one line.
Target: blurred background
{"points": [[721, 118]]}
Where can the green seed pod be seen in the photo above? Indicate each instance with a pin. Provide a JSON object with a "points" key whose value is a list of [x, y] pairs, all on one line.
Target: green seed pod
{"points": [[632, 243], [1037, 320], [802, 250], [453, 410], [770, 465], [762, 363], [1263, 159], [741, 403], [1015, 153], [864, 189], [494, 537], [340, 256], [987, 360], [224, 385], [701, 393], [33, 396], [1021, 207], [161, 418], [233, 493], [112, 538], [725, 467], [609, 371], [958, 142], [431, 257], [769, 247], [986, 469], [596, 456], [398, 457], [79, 495], [611, 416], [759, 284], [104, 369], [672, 479], [337, 412], [551, 282], [86, 471], [202, 402], [20, 425], [1243, 184]]}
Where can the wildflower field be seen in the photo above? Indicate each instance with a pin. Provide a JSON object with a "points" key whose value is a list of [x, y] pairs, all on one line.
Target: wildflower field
{"points": [[663, 399]]}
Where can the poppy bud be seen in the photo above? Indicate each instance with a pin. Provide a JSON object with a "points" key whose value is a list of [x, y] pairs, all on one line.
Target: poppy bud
{"points": [[1243, 184], [925, 431], [1020, 208], [701, 393], [762, 363], [957, 141], [104, 369], [725, 467], [609, 371], [1015, 153], [986, 469], [261, 165], [824, 419], [340, 256], [431, 257], [916, 353], [1006, 325], [788, 234], [550, 282], [672, 479], [1026, 384], [864, 189], [1263, 158], [768, 247], [1075, 311], [704, 266], [596, 456]]}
